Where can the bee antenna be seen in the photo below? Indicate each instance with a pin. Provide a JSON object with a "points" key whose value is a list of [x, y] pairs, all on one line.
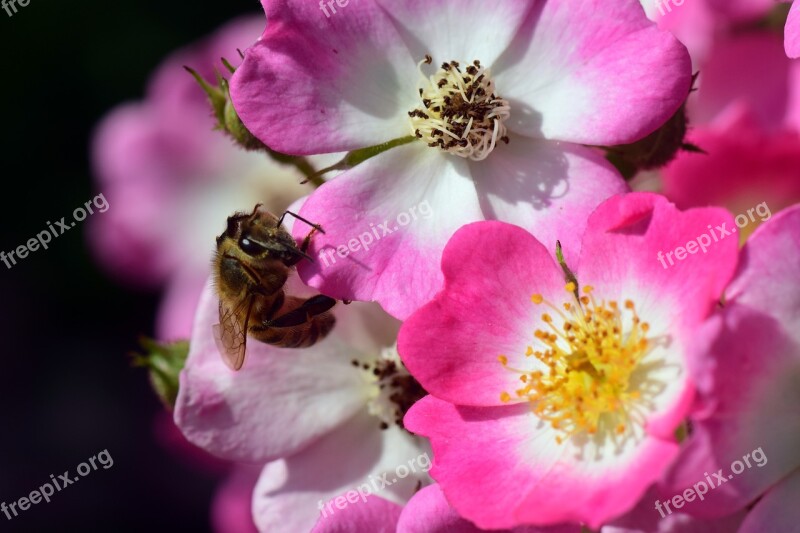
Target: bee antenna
{"points": [[255, 209]]}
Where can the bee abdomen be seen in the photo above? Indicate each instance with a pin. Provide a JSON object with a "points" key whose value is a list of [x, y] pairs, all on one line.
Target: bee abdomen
{"points": [[300, 336]]}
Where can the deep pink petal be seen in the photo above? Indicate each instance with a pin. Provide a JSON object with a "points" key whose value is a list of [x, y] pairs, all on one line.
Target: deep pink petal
{"points": [[629, 248], [231, 510], [749, 70], [570, 75], [452, 344], [744, 168], [501, 467]]}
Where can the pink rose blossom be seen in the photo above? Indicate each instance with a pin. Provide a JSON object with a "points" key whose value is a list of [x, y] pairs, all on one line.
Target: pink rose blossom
{"points": [[522, 428], [552, 77]]}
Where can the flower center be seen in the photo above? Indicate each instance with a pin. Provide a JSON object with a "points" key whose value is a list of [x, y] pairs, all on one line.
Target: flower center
{"points": [[392, 389], [585, 379], [460, 113]]}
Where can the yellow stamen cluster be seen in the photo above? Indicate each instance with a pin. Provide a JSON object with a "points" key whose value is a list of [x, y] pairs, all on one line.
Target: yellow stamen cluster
{"points": [[585, 380], [460, 113]]}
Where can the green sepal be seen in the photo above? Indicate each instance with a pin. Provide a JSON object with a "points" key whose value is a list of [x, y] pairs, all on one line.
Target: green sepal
{"points": [[164, 362]]}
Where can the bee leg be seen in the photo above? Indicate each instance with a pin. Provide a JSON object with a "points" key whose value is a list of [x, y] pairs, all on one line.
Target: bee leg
{"points": [[307, 241], [298, 217], [316, 305]]}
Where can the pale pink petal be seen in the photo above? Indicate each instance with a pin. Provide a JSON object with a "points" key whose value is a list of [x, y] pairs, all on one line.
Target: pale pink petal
{"points": [[750, 416], [792, 33], [316, 84], [767, 278], [374, 515], [179, 305], [647, 517], [291, 494], [777, 510], [386, 223], [548, 188], [280, 401], [754, 367], [573, 75], [462, 30], [501, 467], [452, 344]]}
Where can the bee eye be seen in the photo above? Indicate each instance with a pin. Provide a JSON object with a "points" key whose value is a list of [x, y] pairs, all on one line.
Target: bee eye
{"points": [[251, 247]]}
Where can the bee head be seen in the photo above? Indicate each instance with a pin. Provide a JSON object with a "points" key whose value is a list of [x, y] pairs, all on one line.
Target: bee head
{"points": [[259, 236]]}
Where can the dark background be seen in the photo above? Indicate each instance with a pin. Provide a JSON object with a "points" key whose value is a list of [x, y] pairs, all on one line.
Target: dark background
{"points": [[67, 390]]}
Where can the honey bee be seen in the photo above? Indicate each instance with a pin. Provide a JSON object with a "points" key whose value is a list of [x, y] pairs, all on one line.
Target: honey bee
{"points": [[254, 258]]}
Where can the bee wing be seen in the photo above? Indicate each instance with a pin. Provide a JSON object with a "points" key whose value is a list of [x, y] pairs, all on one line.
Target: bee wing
{"points": [[231, 334]]}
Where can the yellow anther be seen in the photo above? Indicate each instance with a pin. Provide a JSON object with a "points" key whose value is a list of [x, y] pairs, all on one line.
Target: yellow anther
{"points": [[585, 382]]}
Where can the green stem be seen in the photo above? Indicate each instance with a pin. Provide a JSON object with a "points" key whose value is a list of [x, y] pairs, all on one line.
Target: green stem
{"points": [[356, 157], [300, 163]]}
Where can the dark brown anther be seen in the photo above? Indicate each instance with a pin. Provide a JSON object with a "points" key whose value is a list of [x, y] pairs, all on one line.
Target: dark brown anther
{"points": [[428, 59]]}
